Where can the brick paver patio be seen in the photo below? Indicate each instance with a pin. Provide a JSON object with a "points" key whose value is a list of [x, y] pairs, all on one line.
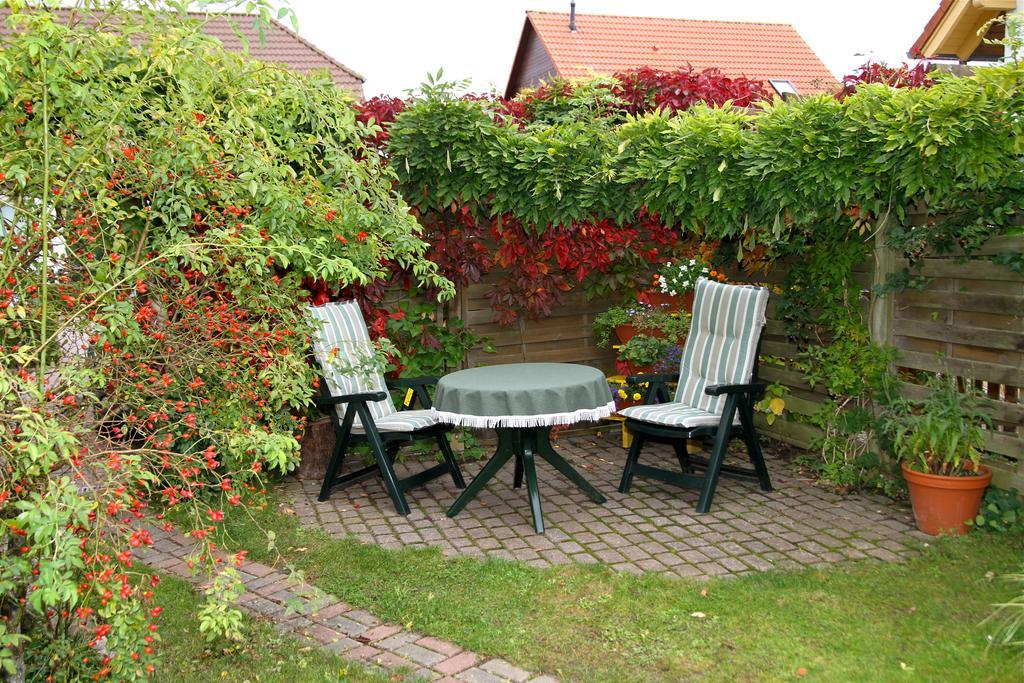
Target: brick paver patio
{"points": [[653, 528]]}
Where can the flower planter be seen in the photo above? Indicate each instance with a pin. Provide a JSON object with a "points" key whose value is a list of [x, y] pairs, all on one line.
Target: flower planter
{"points": [[627, 368], [623, 403], [668, 302], [944, 504], [625, 332], [317, 445]]}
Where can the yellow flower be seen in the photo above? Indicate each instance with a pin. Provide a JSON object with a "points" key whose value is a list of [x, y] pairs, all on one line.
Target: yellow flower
{"points": [[637, 397], [622, 393]]}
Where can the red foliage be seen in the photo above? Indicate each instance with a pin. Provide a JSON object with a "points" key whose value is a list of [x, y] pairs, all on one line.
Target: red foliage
{"points": [[902, 76], [382, 110], [647, 89]]}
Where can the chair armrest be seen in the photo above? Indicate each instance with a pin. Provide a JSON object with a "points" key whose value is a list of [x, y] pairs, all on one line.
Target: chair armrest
{"points": [[350, 398], [719, 389], [412, 382], [418, 387]]}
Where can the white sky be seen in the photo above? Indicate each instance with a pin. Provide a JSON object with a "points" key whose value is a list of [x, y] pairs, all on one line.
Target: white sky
{"points": [[394, 43]]}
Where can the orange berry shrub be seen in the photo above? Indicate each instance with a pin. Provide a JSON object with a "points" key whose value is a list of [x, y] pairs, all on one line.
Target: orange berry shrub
{"points": [[162, 204]]}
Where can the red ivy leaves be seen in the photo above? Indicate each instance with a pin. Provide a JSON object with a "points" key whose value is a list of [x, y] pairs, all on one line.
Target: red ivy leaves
{"points": [[902, 76], [647, 89]]}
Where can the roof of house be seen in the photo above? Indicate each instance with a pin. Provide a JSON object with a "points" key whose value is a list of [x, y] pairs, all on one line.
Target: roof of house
{"points": [[280, 45], [952, 31], [605, 43]]}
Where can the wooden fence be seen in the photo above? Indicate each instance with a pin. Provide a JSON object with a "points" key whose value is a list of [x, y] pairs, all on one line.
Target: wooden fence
{"points": [[565, 337], [968, 320], [971, 312]]}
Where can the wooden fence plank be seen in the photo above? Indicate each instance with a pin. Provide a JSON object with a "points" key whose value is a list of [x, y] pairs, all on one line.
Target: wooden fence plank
{"points": [[989, 372], [963, 301], [974, 336]]}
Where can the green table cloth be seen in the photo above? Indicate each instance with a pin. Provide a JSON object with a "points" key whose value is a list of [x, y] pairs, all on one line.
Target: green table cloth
{"points": [[521, 395]]}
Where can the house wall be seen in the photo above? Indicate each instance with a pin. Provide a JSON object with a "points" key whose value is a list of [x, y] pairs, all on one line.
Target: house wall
{"points": [[536, 64]]}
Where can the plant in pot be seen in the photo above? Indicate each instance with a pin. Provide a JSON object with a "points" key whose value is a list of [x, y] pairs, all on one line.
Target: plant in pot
{"points": [[627, 322], [675, 282], [640, 354], [938, 444], [625, 394]]}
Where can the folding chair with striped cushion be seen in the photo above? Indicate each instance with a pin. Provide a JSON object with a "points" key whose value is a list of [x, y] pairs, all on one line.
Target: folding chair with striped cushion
{"points": [[357, 397], [715, 396]]}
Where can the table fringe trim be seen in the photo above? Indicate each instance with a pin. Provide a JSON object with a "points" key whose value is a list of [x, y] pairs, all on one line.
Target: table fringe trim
{"points": [[520, 421]]}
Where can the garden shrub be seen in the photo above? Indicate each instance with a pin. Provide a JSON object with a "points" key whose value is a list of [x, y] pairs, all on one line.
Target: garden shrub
{"points": [[163, 203]]}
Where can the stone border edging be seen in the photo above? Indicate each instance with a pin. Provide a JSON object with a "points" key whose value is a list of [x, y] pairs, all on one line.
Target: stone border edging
{"points": [[305, 611]]}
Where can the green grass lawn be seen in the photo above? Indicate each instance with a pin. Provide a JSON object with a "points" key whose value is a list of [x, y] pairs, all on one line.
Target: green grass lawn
{"points": [[264, 655], [866, 621]]}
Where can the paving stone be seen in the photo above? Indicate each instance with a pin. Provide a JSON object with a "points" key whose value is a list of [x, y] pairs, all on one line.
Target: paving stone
{"points": [[420, 654], [475, 675], [442, 646], [501, 668], [457, 664]]}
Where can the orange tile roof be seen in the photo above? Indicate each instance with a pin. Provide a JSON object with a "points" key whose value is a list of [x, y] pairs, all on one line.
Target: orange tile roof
{"points": [[281, 45], [606, 43]]}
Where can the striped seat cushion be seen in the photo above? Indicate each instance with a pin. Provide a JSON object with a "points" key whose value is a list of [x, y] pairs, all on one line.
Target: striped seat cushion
{"points": [[720, 349], [672, 415], [722, 345], [402, 421], [342, 347]]}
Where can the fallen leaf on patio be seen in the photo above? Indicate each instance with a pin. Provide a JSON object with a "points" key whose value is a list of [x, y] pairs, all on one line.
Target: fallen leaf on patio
{"points": [[289, 511], [802, 671], [698, 615]]}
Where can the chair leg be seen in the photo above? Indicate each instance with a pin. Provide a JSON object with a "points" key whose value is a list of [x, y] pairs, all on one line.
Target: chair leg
{"points": [[714, 468], [754, 444], [449, 458], [380, 453], [682, 455], [337, 456], [631, 459]]}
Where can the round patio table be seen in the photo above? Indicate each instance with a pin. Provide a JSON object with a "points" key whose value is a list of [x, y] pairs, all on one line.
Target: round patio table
{"points": [[522, 401]]}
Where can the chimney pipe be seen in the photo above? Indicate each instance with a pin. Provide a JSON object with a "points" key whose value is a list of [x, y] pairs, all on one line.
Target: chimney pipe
{"points": [[572, 16]]}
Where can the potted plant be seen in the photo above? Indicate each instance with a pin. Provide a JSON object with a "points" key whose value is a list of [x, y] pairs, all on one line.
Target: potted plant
{"points": [[640, 353], [625, 394], [938, 444], [626, 323], [674, 284]]}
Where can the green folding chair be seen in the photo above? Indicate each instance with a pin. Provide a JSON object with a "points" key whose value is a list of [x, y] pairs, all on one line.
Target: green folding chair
{"points": [[363, 411], [715, 397]]}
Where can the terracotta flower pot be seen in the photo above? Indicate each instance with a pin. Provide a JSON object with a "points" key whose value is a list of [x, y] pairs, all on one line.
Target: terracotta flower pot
{"points": [[943, 504], [687, 302], [626, 368], [625, 332], [659, 299], [667, 301]]}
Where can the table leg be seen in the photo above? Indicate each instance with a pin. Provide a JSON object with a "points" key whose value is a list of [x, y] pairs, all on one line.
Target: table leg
{"points": [[517, 479], [529, 447], [506, 450], [545, 451]]}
